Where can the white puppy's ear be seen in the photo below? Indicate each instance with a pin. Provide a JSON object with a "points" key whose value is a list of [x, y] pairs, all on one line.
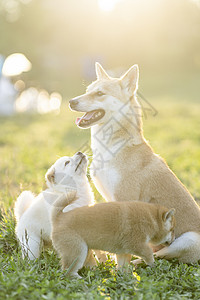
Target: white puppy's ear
{"points": [[50, 176], [130, 79], [100, 72]]}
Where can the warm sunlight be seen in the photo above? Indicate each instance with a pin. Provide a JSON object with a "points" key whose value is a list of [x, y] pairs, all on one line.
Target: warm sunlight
{"points": [[107, 5]]}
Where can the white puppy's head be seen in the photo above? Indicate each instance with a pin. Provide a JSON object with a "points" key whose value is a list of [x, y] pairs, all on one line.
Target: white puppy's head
{"points": [[67, 170]]}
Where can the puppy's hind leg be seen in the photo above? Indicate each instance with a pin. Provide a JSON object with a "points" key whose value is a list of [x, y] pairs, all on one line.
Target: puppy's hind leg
{"points": [[73, 254], [31, 246], [186, 248]]}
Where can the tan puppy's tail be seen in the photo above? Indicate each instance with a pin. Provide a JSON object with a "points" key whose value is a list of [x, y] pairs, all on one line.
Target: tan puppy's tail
{"points": [[62, 202]]}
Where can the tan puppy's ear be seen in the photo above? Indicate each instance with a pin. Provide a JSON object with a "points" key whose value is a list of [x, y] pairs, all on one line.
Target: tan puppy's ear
{"points": [[100, 72], [130, 79], [50, 176], [168, 215]]}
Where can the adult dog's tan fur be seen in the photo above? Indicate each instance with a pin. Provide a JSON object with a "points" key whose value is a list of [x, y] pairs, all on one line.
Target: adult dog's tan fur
{"points": [[123, 227], [134, 171]]}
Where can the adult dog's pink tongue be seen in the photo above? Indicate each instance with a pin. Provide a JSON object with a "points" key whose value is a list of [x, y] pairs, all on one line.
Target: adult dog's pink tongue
{"points": [[86, 116], [77, 120]]}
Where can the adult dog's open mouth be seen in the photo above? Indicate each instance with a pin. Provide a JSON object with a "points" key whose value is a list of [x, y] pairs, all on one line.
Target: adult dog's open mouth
{"points": [[90, 117]]}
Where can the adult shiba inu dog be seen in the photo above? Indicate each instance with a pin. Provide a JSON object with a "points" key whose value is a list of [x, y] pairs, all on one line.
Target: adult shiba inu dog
{"points": [[124, 165], [32, 213], [120, 227]]}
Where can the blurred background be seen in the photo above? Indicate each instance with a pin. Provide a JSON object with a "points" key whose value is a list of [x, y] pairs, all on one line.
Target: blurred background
{"points": [[48, 50], [62, 40]]}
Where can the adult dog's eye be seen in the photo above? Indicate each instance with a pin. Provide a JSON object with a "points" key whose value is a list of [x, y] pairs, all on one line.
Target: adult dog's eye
{"points": [[67, 162], [99, 93]]}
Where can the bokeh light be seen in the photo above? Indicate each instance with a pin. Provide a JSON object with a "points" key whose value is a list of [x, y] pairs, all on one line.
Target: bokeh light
{"points": [[15, 64]]}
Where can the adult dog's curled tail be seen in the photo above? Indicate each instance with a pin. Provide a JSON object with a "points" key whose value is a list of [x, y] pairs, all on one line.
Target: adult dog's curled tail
{"points": [[22, 203], [62, 202]]}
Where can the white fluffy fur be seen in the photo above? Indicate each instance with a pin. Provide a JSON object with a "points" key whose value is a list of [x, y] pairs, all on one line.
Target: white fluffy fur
{"points": [[188, 242], [33, 213]]}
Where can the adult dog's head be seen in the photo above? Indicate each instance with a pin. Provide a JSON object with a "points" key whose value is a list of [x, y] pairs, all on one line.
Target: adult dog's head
{"points": [[107, 97], [67, 171]]}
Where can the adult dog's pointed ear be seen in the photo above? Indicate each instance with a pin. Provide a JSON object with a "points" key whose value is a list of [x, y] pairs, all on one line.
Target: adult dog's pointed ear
{"points": [[100, 72], [50, 177], [130, 80]]}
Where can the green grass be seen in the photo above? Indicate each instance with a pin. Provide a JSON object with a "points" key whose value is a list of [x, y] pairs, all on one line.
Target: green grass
{"points": [[29, 144]]}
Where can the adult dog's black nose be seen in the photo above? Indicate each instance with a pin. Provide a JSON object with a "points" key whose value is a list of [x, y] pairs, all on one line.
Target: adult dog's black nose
{"points": [[73, 102]]}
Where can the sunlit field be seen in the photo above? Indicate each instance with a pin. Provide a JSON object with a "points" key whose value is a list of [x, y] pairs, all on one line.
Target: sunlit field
{"points": [[48, 51], [29, 144]]}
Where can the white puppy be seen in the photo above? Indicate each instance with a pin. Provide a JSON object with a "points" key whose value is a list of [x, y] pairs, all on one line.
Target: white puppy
{"points": [[33, 213]]}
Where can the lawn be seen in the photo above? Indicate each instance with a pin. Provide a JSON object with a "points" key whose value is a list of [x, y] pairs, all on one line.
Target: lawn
{"points": [[29, 144]]}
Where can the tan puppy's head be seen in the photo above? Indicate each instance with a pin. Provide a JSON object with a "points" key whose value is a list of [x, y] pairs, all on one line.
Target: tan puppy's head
{"points": [[107, 97], [67, 170], [166, 222]]}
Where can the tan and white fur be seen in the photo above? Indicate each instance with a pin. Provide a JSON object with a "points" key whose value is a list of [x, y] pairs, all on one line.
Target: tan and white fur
{"points": [[32, 213], [133, 170], [120, 227]]}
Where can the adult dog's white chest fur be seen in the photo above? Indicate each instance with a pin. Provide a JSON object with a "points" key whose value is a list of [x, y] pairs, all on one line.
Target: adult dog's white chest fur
{"points": [[105, 181], [103, 172]]}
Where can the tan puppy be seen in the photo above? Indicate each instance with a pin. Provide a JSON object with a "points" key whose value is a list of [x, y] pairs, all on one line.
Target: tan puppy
{"points": [[124, 165], [123, 227]]}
